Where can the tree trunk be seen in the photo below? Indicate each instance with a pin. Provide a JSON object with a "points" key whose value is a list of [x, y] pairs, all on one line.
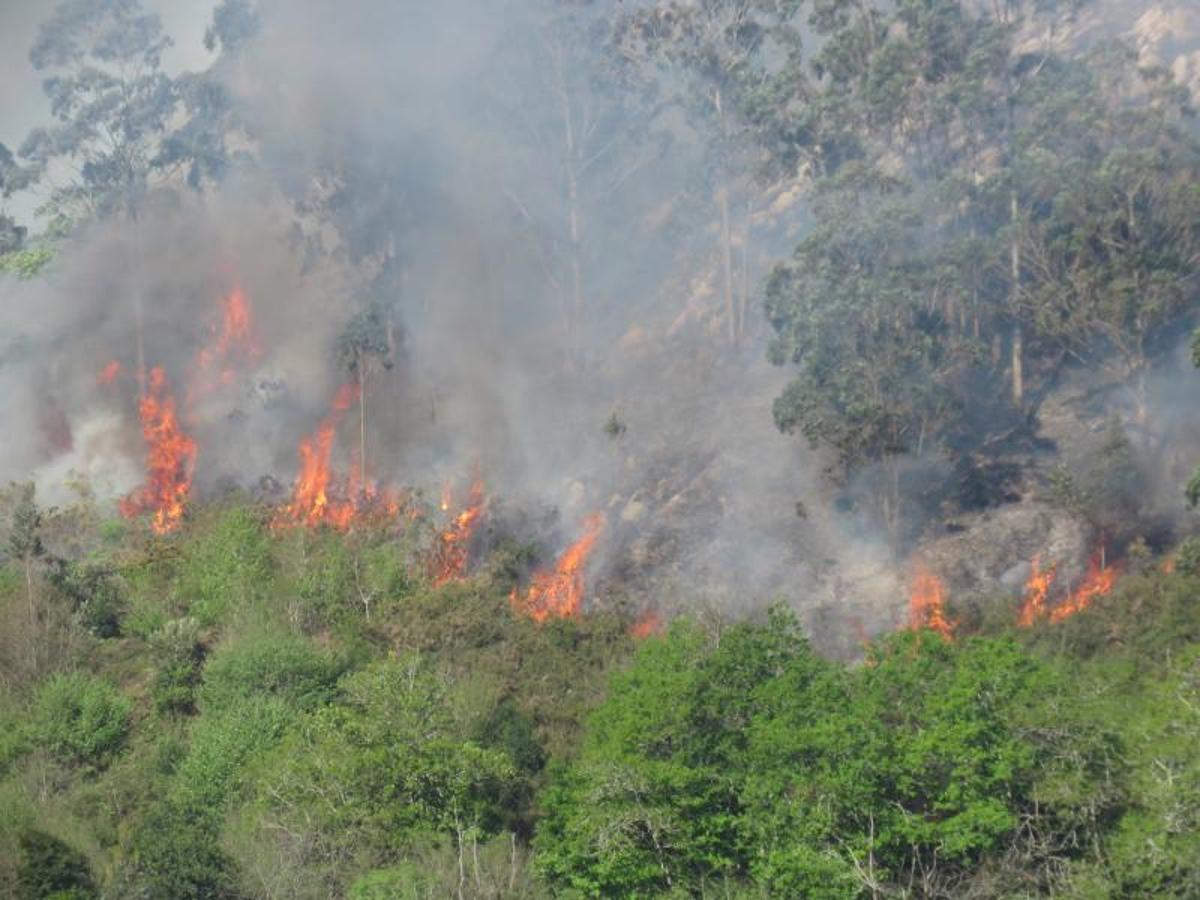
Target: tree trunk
{"points": [[573, 219], [33, 637], [362, 421], [727, 261], [744, 273], [1018, 348]]}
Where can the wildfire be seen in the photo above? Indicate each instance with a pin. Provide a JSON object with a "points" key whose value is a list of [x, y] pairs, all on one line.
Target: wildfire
{"points": [[1036, 590], [319, 497], [109, 373], [311, 504], [1096, 583], [232, 342], [558, 594], [450, 556], [927, 603], [648, 624], [170, 459]]}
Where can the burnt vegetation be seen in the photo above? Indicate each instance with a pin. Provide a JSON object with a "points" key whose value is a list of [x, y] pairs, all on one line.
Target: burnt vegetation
{"points": [[668, 448]]}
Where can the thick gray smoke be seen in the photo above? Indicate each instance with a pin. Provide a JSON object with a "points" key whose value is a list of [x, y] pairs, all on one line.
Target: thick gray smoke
{"points": [[420, 156]]}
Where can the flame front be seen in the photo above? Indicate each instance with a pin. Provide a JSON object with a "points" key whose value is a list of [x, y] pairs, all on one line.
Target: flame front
{"points": [[1098, 581], [1037, 588], [170, 459], [558, 594], [450, 556], [927, 603], [311, 504]]}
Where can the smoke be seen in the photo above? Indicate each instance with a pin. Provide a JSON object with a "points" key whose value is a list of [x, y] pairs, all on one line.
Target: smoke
{"points": [[546, 254]]}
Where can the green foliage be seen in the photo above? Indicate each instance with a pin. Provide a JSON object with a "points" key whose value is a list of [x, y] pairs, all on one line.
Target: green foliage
{"points": [[756, 757], [27, 263], [51, 868], [1187, 556], [24, 538], [177, 854], [228, 567], [289, 668], [93, 593], [506, 728], [178, 655], [223, 743], [80, 719], [390, 764]]}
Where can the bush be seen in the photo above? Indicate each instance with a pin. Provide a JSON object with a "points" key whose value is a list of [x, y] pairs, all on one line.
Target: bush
{"points": [[177, 648], [93, 594], [227, 566], [177, 855], [50, 868], [1187, 556], [80, 719], [291, 668]]}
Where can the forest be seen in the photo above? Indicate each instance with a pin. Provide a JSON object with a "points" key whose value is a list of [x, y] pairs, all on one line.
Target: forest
{"points": [[568, 448]]}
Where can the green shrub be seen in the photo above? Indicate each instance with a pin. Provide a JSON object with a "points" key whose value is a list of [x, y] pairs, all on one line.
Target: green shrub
{"points": [[227, 567], [178, 652], [177, 855], [223, 743], [290, 668], [50, 868], [94, 596], [80, 719], [507, 728], [1187, 556]]}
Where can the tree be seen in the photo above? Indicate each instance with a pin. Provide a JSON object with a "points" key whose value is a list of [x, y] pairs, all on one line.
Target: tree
{"points": [[25, 544], [102, 61], [112, 105], [367, 340], [715, 56], [51, 868]]}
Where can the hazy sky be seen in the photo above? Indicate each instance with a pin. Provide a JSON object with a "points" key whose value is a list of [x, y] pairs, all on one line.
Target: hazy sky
{"points": [[22, 103]]}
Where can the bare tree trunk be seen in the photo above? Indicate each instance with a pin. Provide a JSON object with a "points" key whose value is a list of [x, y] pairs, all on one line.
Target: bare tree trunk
{"points": [[727, 261], [570, 164], [1018, 342], [744, 273], [362, 421], [33, 637]]}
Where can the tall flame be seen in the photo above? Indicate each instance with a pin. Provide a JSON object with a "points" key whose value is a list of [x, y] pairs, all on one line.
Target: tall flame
{"points": [[311, 504], [927, 603], [450, 556], [170, 459], [1098, 581], [232, 343], [1037, 588], [558, 594]]}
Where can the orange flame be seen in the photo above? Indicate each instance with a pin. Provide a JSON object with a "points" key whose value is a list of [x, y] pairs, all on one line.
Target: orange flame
{"points": [[170, 459], [1037, 587], [558, 594], [109, 373], [232, 342], [311, 504], [927, 603], [648, 624], [1168, 565], [450, 556], [1096, 583], [320, 498]]}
